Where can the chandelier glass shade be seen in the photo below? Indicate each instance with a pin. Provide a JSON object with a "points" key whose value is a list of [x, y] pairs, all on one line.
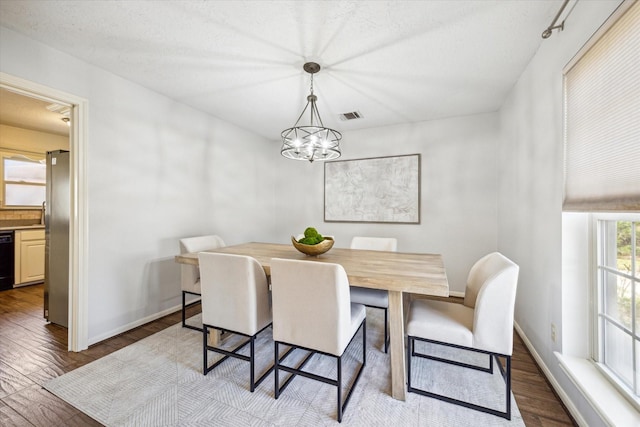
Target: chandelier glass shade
{"points": [[313, 141]]}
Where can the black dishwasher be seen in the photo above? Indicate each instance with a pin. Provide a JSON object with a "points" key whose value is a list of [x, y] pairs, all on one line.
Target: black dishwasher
{"points": [[6, 260]]}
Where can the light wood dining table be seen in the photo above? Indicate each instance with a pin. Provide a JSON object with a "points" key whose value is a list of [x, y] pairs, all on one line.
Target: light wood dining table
{"points": [[399, 273]]}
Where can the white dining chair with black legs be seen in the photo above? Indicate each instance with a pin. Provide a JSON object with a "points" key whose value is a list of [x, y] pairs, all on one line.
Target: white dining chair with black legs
{"points": [[376, 298], [483, 324], [312, 312], [235, 298], [190, 274]]}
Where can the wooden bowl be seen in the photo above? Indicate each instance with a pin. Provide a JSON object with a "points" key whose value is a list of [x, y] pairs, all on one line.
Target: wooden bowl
{"points": [[313, 250]]}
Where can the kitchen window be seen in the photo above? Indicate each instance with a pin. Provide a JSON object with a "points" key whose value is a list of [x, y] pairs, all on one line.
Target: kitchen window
{"points": [[618, 301], [23, 181]]}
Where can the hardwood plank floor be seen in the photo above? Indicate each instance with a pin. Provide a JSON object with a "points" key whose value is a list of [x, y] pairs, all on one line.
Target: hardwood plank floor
{"points": [[32, 352]]}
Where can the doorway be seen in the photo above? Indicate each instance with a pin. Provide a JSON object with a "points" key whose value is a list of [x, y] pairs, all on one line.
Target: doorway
{"points": [[78, 301]]}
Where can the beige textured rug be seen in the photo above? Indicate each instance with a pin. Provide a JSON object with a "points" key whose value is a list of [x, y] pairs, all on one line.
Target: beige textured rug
{"points": [[158, 381]]}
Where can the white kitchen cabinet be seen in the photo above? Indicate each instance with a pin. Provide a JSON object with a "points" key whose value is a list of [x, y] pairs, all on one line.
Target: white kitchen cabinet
{"points": [[29, 256]]}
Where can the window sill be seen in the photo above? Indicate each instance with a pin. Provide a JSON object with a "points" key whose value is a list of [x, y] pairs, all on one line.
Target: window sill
{"points": [[605, 399]]}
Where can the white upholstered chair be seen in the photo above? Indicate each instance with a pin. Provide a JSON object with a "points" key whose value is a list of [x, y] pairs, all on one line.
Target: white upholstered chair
{"points": [[312, 311], [376, 298], [235, 298], [483, 324], [189, 274]]}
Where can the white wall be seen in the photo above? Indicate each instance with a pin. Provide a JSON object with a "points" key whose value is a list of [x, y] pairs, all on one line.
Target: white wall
{"points": [[33, 141], [576, 284], [157, 171], [531, 187], [458, 190]]}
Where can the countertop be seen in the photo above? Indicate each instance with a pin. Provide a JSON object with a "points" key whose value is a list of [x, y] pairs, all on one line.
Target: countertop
{"points": [[23, 227]]}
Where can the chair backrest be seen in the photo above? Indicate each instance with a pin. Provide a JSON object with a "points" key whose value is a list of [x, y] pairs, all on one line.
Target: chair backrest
{"points": [[389, 244], [200, 243], [311, 304], [235, 292], [189, 274], [491, 292]]}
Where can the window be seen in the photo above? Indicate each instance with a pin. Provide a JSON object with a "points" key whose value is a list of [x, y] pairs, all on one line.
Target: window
{"points": [[618, 301], [601, 174], [23, 181]]}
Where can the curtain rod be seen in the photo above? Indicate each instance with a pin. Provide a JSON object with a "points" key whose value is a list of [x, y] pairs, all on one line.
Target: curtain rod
{"points": [[547, 33]]}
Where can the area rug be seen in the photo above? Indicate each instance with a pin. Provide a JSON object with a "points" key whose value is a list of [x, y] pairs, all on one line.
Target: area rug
{"points": [[158, 381]]}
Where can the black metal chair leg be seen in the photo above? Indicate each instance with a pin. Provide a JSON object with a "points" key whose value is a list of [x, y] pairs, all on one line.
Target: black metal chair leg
{"points": [[184, 309], [341, 403], [386, 331], [276, 363], [506, 375], [364, 344], [253, 383], [409, 358], [508, 382], [386, 327], [204, 348], [252, 364], [339, 387]]}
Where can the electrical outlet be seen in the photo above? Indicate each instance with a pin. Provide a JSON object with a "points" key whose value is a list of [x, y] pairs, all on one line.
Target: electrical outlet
{"points": [[553, 332]]}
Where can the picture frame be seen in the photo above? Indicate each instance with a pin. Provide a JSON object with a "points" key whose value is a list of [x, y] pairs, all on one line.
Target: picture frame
{"points": [[375, 189]]}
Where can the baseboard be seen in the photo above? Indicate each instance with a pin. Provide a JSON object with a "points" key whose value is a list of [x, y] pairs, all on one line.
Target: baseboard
{"points": [[129, 326], [577, 416]]}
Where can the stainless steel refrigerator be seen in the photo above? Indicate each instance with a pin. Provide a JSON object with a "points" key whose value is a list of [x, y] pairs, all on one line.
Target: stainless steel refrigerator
{"points": [[56, 251]]}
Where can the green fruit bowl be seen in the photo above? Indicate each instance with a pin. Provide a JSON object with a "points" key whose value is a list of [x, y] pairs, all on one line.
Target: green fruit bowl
{"points": [[313, 250]]}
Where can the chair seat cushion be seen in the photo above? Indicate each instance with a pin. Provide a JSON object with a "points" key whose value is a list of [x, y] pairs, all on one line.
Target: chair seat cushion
{"points": [[441, 321], [370, 297]]}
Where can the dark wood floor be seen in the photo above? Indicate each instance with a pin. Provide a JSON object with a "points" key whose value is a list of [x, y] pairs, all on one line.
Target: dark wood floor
{"points": [[32, 352]]}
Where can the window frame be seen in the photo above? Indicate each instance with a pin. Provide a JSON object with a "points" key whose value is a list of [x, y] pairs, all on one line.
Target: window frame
{"points": [[597, 306]]}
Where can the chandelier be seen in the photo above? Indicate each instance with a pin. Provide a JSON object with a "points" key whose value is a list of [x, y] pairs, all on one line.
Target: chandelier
{"points": [[313, 141]]}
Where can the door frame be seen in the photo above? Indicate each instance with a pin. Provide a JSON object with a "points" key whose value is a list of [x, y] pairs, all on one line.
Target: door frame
{"points": [[78, 332]]}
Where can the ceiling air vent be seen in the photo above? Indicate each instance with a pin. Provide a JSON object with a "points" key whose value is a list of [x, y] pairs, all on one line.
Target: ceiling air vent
{"points": [[57, 108], [353, 115]]}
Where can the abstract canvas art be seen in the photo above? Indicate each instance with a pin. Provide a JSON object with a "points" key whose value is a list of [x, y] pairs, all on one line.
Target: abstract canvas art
{"points": [[379, 189]]}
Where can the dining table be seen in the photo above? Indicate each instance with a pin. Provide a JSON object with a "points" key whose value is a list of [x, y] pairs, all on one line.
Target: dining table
{"points": [[399, 273]]}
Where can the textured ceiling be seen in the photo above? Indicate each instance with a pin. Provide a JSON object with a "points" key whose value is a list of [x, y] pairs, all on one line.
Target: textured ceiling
{"points": [[393, 61]]}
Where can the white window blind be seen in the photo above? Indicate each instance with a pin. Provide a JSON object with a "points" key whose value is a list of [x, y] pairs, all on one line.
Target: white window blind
{"points": [[602, 121], [23, 180]]}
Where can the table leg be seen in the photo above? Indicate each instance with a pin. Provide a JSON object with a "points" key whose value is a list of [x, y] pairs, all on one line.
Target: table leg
{"points": [[214, 337], [396, 349]]}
